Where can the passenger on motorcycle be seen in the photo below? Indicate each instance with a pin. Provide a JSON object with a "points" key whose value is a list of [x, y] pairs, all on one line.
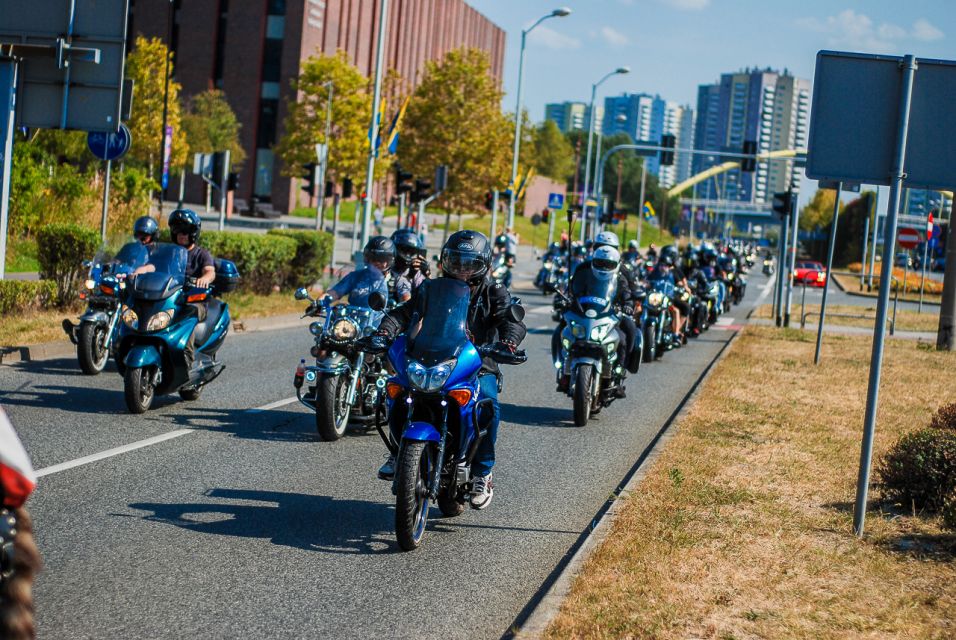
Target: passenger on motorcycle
{"points": [[379, 254], [145, 231], [667, 270], [466, 256], [411, 268]]}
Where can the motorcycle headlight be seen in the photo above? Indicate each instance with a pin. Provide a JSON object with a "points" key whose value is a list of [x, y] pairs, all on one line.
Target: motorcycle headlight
{"points": [[315, 328], [565, 343], [548, 265], [577, 330], [344, 329], [130, 319], [730, 276], [90, 284], [656, 298], [429, 379], [598, 332], [159, 321]]}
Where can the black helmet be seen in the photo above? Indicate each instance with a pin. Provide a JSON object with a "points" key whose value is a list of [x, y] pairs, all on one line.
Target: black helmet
{"points": [[670, 250], [145, 227], [408, 246], [666, 260], [380, 249], [185, 221], [466, 256]]}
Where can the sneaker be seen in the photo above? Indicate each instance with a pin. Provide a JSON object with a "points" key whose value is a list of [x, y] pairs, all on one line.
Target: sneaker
{"points": [[482, 490], [387, 470]]}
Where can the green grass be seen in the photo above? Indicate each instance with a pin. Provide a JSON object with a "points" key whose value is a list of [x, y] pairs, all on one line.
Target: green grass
{"points": [[21, 256], [346, 212]]}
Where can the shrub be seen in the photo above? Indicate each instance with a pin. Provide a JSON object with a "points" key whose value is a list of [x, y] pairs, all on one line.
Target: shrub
{"points": [[19, 296], [313, 253], [944, 418], [263, 261], [61, 250], [920, 469], [949, 512]]}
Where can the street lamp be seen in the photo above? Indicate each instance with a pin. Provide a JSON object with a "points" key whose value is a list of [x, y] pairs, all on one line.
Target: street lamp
{"points": [[587, 165], [557, 13], [324, 160]]}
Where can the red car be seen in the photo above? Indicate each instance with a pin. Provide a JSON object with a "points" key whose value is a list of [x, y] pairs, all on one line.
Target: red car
{"points": [[813, 274]]}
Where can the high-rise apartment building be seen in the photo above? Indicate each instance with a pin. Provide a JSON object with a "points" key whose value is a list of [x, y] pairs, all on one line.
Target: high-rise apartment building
{"points": [[253, 50], [573, 116], [765, 106]]}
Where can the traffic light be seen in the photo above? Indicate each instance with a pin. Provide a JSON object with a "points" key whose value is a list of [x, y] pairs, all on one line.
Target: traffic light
{"points": [[668, 141], [232, 182], [782, 203], [489, 200], [309, 177], [544, 214], [346, 188], [421, 191], [441, 178], [403, 180], [749, 164], [329, 188]]}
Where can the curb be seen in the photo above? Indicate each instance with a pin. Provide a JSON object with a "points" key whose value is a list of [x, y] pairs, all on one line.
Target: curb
{"points": [[874, 297], [544, 607]]}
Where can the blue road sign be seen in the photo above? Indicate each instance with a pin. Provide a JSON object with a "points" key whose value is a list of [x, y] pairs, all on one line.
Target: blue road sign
{"points": [[556, 201], [109, 146]]}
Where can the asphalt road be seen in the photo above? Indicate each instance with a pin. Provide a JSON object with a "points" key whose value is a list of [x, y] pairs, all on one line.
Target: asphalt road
{"points": [[237, 522]]}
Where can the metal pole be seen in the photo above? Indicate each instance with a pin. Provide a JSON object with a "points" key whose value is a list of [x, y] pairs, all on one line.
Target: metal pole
{"points": [[494, 215], [946, 330], [106, 199], [693, 212], [889, 239], [922, 280], [8, 103], [640, 213], [587, 165], [551, 215], [162, 137], [222, 190], [401, 210], [803, 305], [182, 188], [782, 268], [600, 184], [792, 262], [876, 227], [324, 163], [337, 200], [896, 303], [866, 234], [355, 226], [421, 217], [517, 146], [826, 283], [376, 101]]}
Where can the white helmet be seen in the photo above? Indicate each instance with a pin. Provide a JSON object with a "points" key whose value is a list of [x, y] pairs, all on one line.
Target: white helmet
{"points": [[607, 239], [605, 260]]}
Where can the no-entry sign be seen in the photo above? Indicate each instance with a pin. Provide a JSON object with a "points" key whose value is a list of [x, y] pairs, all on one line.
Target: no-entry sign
{"points": [[908, 238]]}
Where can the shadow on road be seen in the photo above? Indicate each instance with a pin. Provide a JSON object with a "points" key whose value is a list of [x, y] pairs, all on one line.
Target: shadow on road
{"points": [[560, 417], [58, 367], [313, 523], [273, 425], [75, 399]]}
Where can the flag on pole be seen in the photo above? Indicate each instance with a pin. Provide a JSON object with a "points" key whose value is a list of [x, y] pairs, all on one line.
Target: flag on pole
{"points": [[649, 211], [524, 182], [379, 117], [393, 129]]}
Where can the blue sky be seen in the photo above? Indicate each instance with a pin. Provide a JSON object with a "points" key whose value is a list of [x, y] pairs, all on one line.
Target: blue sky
{"points": [[674, 45]]}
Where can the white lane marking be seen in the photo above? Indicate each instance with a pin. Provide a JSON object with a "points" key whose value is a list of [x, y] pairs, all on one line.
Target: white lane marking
{"points": [[272, 405], [723, 321], [109, 453], [767, 288]]}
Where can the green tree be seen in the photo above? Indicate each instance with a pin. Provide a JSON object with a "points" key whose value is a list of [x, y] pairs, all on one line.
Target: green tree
{"points": [[211, 126], [351, 115], [146, 67], [819, 212], [554, 155], [455, 119]]}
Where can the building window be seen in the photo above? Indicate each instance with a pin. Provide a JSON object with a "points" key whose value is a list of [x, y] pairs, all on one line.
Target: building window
{"points": [[265, 163]]}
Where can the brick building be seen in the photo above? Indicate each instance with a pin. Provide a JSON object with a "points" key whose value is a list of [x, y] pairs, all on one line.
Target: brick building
{"points": [[252, 50]]}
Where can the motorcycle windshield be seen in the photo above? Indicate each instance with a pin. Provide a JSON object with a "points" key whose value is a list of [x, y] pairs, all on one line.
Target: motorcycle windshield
{"points": [[593, 292], [169, 276], [132, 255], [440, 333]]}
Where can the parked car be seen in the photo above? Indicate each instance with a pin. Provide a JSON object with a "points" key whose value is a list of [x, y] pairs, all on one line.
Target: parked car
{"points": [[811, 273], [903, 261]]}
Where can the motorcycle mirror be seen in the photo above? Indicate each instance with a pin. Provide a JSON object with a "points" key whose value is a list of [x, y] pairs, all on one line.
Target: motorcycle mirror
{"points": [[376, 301], [516, 312], [302, 294]]}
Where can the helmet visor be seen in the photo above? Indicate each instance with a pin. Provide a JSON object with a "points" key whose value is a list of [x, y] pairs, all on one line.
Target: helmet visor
{"points": [[462, 264], [603, 265], [380, 256]]}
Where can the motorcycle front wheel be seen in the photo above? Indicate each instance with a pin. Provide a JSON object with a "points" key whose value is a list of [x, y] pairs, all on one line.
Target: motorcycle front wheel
{"points": [[582, 394], [411, 498], [91, 348], [138, 389], [332, 408]]}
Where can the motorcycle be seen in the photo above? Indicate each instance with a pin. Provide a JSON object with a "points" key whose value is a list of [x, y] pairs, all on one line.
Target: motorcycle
{"points": [[95, 335], [588, 358], [658, 326], [436, 385], [157, 323], [501, 269], [768, 267], [552, 274], [343, 383]]}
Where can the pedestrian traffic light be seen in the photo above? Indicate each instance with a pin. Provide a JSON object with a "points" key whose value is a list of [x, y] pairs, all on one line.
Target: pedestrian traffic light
{"points": [[489, 200], [668, 141], [782, 203], [329, 188], [403, 180], [309, 176], [544, 214], [749, 164], [232, 182], [347, 188], [421, 191]]}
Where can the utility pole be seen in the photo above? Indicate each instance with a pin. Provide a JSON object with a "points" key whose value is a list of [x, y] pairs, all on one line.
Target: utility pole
{"points": [[376, 125]]}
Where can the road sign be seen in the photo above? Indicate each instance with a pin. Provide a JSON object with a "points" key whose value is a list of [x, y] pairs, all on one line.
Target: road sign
{"points": [[908, 237], [203, 164], [109, 146], [556, 201], [855, 119]]}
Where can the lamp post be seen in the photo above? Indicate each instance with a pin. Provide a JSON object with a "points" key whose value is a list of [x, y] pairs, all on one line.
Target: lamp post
{"points": [[557, 13], [324, 161], [376, 125], [587, 162]]}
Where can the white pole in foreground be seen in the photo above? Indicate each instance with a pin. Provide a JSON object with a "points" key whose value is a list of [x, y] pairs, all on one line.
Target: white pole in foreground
{"points": [[376, 125]]}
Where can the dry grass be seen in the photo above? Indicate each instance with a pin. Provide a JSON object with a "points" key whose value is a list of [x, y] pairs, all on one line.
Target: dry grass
{"points": [[905, 320], [932, 291], [742, 529]]}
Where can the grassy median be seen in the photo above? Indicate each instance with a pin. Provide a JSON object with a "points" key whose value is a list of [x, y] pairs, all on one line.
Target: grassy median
{"points": [[837, 314], [743, 526]]}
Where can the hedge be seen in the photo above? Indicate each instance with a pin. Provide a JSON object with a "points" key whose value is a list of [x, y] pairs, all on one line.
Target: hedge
{"points": [[61, 250], [264, 261], [19, 296], [920, 469], [313, 254]]}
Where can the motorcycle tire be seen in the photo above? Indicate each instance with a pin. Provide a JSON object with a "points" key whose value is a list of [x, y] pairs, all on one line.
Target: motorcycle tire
{"points": [[411, 497], [650, 344], [91, 349], [331, 409], [582, 394], [191, 394], [138, 389], [450, 507]]}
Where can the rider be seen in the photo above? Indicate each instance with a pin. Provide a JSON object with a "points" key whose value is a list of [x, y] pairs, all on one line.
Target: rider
{"points": [[379, 254], [627, 324], [411, 267], [667, 270], [466, 256], [145, 230]]}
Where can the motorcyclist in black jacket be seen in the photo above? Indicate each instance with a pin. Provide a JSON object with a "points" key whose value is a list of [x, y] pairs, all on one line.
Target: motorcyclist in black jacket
{"points": [[466, 256], [411, 268]]}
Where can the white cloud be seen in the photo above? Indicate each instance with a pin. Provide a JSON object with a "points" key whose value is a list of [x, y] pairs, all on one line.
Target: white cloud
{"points": [[926, 31], [686, 5], [614, 37], [552, 39], [849, 30]]}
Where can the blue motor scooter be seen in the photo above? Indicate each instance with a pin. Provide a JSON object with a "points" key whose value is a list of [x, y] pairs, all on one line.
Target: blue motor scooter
{"points": [[157, 322]]}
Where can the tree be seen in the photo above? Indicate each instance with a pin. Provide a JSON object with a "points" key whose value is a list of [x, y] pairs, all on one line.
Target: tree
{"points": [[819, 213], [211, 126], [146, 67], [554, 155], [455, 119], [351, 115]]}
